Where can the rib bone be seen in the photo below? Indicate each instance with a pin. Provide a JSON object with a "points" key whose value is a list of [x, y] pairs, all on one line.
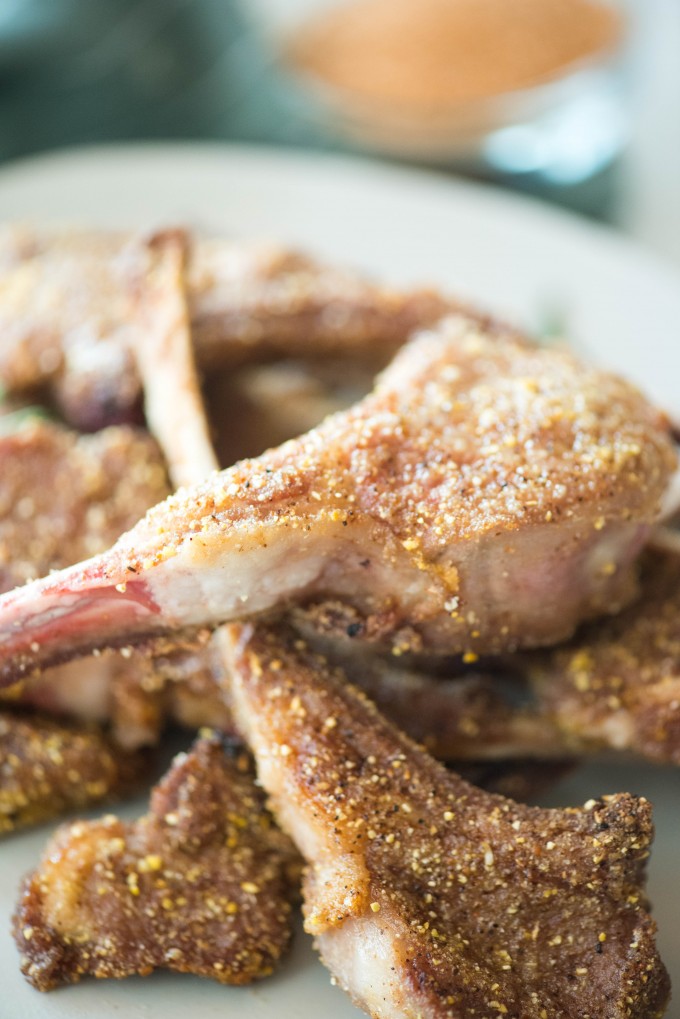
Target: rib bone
{"points": [[165, 358]]}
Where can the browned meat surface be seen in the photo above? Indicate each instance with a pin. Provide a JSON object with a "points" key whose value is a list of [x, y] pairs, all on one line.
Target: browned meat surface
{"points": [[476, 716], [66, 321], [64, 497], [487, 495], [617, 684], [48, 768], [203, 884], [426, 895]]}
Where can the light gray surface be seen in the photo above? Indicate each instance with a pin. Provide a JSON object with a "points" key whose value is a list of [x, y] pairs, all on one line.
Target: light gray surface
{"points": [[519, 259], [650, 206]]}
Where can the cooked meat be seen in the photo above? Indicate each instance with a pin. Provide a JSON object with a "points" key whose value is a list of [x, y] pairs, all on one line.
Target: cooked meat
{"points": [[64, 497], [66, 321], [617, 684], [477, 716], [202, 884], [258, 406], [48, 768], [136, 692], [173, 403], [426, 895], [487, 495]]}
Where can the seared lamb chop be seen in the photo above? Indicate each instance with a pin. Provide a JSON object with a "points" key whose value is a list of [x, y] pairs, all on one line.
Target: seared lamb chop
{"points": [[66, 320], [64, 497], [204, 884], [617, 685], [427, 896], [487, 495], [48, 767]]}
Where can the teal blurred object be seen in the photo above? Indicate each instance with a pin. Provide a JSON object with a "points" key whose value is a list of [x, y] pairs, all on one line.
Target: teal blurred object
{"points": [[78, 72], [81, 71]]}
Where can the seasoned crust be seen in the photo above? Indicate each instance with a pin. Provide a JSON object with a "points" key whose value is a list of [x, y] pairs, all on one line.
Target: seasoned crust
{"points": [[467, 431], [49, 767], [426, 894], [202, 884], [486, 496], [64, 496], [617, 684]]}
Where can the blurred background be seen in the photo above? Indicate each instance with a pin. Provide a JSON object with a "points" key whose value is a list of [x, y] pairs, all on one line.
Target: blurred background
{"points": [[574, 101]]}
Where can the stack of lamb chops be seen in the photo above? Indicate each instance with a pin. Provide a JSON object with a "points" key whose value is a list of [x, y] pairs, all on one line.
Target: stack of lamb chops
{"points": [[484, 499]]}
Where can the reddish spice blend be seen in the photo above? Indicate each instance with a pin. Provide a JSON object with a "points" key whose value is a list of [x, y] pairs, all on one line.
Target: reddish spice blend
{"points": [[434, 54]]}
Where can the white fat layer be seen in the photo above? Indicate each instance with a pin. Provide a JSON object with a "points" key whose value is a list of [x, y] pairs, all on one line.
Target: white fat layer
{"points": [[363, 956], [213, 579]]}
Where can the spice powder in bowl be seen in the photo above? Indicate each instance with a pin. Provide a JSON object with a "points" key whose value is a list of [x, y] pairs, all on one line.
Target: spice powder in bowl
{"points": [[414, 69]]}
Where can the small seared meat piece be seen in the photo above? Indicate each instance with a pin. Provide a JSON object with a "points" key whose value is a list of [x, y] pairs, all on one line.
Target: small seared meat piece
{"points": [[66, 319], [427, 896], [617, 684], [204, 884], [475, 716], [65, 496], [48, 767], [487, 495]]}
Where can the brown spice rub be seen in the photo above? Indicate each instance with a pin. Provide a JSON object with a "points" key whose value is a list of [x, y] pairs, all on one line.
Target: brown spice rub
{"points": [[202, 884], [617, 684], [48, 768], [462, 434], [65, 497], [426, 895]]}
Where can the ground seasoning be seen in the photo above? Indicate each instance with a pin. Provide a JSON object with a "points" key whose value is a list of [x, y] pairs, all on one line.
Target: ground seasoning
{"points": [[432, 54]]}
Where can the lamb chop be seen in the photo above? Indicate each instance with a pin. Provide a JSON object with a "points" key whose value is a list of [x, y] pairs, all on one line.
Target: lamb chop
{"points": [[488, 495], [617, 685], [425, 895], [49, 767], [204, 883], [67, 322], [614, 686], [64, 497]]}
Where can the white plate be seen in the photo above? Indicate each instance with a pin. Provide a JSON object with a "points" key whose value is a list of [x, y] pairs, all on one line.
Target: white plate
{"points": [[520, 259]]}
